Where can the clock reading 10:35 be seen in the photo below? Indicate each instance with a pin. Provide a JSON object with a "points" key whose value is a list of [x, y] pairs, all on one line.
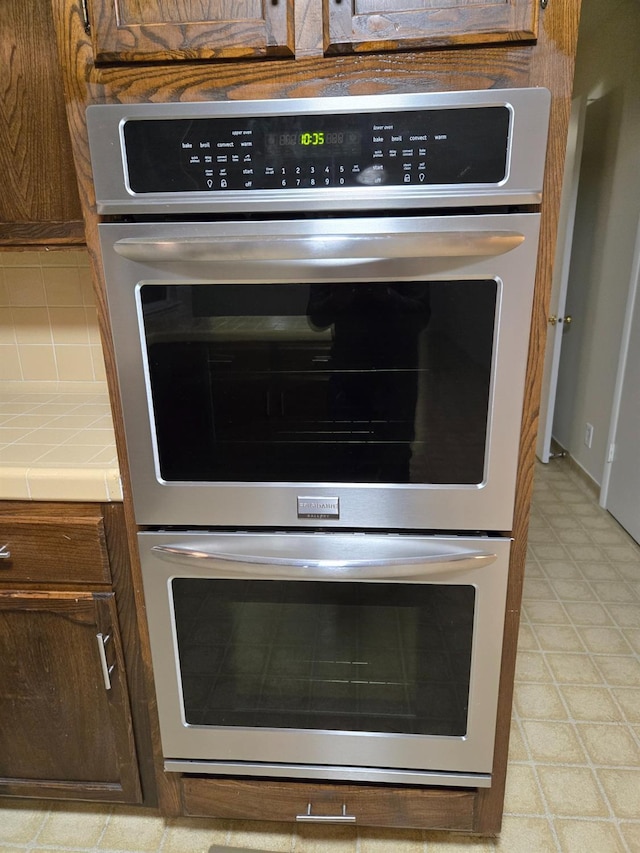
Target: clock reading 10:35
{"points": [[306, 138]]}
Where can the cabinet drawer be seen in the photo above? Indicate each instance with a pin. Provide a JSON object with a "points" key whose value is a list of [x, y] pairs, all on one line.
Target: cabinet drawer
{"points": [[370, 805], [54, 550]]}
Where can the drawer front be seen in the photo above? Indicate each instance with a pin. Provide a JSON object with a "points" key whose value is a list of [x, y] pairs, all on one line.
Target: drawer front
{"points": [[360, 805], [53, 550]]}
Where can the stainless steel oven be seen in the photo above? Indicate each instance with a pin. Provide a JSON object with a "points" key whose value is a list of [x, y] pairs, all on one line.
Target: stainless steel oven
{"points": [[320, 312]]}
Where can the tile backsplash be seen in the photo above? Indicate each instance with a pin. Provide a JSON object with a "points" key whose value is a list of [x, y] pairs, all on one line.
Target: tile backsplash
{"points": [[48, 319]]}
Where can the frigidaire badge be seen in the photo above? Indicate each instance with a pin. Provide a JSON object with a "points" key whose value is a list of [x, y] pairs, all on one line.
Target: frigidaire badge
{"points": [[318, 507]]}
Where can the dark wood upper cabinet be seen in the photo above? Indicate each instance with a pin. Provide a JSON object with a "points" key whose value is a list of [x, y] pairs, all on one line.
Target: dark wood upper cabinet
{"points": [[376, 25], [39, 202], [162, 30]]}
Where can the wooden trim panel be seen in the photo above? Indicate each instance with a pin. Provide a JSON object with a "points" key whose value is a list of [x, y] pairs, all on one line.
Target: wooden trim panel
{"points": [[372, 805]]}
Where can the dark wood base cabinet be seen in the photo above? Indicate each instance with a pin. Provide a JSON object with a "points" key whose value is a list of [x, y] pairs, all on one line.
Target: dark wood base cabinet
{"points": [[65, 720]]}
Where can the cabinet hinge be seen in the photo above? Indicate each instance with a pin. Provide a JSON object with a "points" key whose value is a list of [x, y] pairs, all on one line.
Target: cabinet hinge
{"points": [[85, 16]]}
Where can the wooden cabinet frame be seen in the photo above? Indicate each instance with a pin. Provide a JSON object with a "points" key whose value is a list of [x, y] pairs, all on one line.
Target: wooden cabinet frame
{"points": [[547, 62]]}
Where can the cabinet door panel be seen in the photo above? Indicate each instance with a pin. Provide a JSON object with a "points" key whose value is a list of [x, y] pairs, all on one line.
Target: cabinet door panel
{"points": [[39, 200], [368, 25], [60, 723], [161, 30]]}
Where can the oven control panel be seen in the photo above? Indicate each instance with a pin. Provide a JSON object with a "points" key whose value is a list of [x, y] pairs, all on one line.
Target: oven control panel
{"points": [[376, 152], [462, 146]]}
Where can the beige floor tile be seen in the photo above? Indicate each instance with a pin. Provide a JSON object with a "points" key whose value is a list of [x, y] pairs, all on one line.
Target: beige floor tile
{"points": [[610, 744], [538, 589], [629, 699], [522, 794], [545, 613], [533, 569], [517, 747], [608, 536], [585, 552], [553, 742], [631, 834], [632, 636], [593, 836], [561, 570], [572, 792], [618, 592], [549, 552], [539, 701], [324, 839], [531, 666], [621, 554], [526, 835], [573, 668], [592, 704], [619, 670], [624, 615], [605, 640], [76, 825], [573, 590], [558, 638], [19, 824], [526, 638], [582, 613], [132, 832], [623, 789], [598, 571], [193, 835], [628, 571], [255, 835]]}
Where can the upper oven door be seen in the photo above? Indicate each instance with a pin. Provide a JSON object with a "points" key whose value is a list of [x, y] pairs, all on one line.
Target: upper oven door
{"points": [[354, 372]]}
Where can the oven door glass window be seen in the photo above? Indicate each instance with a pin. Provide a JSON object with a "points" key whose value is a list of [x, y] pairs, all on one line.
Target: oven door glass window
{"points": [[342, 383], [370, 657]]}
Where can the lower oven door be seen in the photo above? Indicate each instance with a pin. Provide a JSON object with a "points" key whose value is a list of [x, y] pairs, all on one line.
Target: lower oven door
{"points": [[327, 655]]}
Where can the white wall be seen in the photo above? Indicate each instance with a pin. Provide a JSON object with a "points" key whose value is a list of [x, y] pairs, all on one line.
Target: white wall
{"points": [[608, 76]]}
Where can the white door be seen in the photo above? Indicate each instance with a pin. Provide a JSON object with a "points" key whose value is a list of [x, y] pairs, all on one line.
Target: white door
{"points": [[560, 281], [621, 482]]}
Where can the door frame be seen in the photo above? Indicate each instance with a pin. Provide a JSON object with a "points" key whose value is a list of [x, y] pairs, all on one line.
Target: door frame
{"points": [[560, 280]]}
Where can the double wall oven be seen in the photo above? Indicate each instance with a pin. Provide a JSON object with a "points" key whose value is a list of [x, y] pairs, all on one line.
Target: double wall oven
{"points": [[320, 311]]}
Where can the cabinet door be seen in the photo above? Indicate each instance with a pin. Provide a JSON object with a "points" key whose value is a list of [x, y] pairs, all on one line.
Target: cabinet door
{"points": [[369, 25], [39, 200], [65, 723], [161, 30]]}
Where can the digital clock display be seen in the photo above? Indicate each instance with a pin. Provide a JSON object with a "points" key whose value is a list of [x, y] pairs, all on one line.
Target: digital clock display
{"points": [[342, 141]]}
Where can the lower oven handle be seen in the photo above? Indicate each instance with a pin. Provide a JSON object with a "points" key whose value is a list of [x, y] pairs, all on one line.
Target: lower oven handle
{"points": [[325, 247], [268, 566]]}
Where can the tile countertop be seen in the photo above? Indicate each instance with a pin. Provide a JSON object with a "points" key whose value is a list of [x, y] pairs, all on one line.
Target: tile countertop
{"points": [[57, 442]]}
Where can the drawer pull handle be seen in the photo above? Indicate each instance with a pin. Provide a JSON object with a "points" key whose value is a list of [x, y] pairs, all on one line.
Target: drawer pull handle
{"points": [[5, 553], [106, 669], [322, 818]]}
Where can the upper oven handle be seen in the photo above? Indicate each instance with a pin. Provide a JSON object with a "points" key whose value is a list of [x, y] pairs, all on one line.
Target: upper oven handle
{"points": [[289, 247], [318, 566]]}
